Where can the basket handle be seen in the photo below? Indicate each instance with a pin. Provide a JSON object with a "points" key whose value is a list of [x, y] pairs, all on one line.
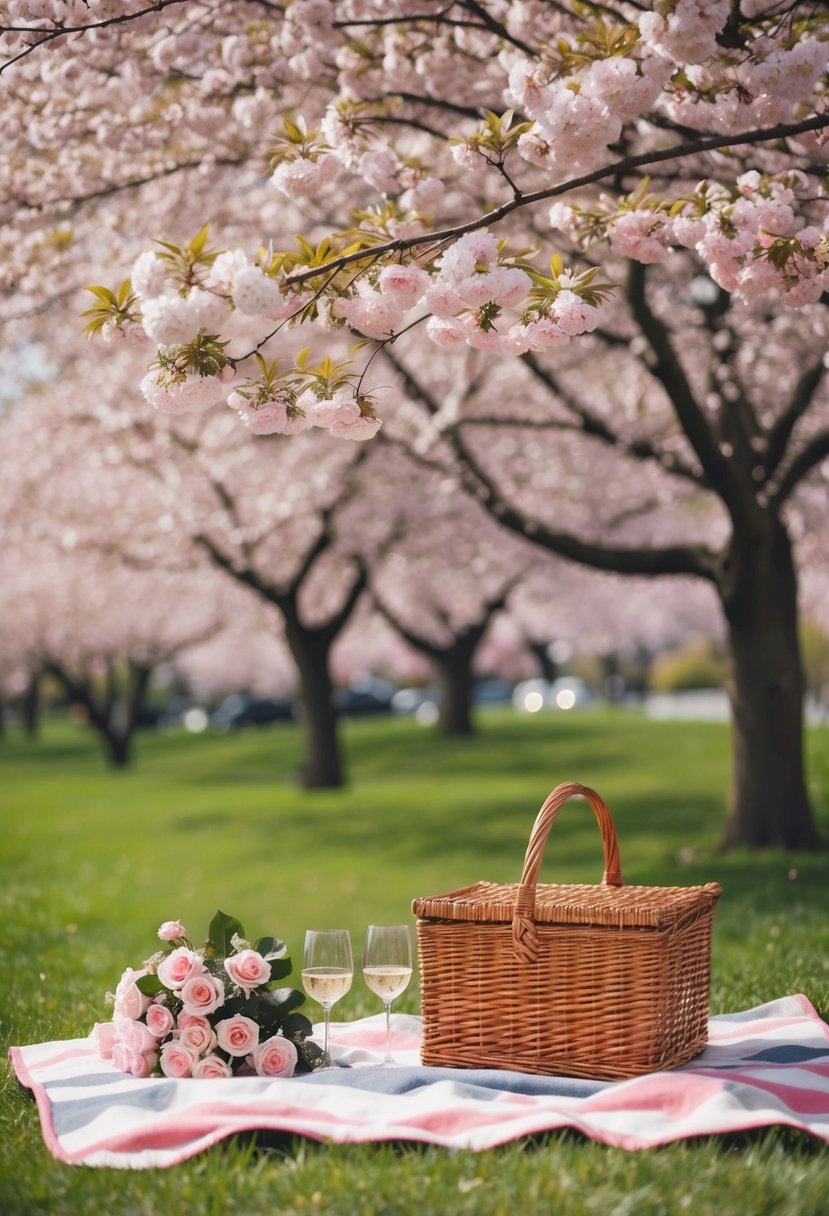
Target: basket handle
{"points": [[524, 931]]}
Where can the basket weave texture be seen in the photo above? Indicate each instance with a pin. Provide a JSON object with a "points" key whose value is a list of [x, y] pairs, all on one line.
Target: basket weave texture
{"points": [[605, 981]]}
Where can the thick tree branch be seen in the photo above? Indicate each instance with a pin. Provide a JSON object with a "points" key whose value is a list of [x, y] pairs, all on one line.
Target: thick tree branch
{"points": [[672, 559], [802, 397], [591, 424], [815, 451], [722, 474]]}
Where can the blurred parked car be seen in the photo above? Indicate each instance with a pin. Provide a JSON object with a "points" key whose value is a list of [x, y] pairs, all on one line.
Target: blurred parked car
{"points": [[492, 692], [367, 696], [239, 710], [567, 692]]}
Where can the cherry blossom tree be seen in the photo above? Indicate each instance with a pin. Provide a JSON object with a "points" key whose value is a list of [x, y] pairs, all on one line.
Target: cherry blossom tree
{"points": [[681, 147], [447, 575]]}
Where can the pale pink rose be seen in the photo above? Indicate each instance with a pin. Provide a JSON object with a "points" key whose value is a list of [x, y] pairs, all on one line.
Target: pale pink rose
{"points": [[159, 1021], [202, 994], [171, 929], [237, 1035], [105, 1035], [120, 1056], [248, 968], [142, 1063], [212, 1066], [183, 964], [135, 1035], [275, 1057], [175, 1060], [198, 1036], [129, 1002]]}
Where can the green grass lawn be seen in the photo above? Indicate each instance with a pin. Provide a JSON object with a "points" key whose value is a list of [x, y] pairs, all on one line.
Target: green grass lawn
{"points": [[92, 862]]}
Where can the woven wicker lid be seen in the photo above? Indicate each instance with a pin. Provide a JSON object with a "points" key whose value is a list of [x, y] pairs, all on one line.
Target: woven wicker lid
{"points": [[573, 904]]}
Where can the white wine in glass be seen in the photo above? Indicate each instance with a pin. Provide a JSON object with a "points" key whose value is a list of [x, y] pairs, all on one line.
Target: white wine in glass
{"points": [[387, 968], [327, 971]]}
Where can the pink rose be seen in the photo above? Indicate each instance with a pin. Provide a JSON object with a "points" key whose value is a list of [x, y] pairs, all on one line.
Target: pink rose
{"points": [[180, 966], [275, 1057], [237, 1035], [248, 969], [212, 1066], [105, 1035], [142, 1063], [197, 1034], [129, 1002], [135, 1035], [125, 1059], [175, 1060], [202, 994], [159, 1020], [171, 929]]}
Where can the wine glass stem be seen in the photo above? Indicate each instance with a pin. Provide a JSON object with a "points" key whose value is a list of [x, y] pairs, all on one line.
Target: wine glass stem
{"points": [[326, 1013], [388, 1059]]}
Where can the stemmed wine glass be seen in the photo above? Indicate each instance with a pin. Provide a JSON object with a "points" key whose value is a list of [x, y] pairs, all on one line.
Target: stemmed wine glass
{"points": [[387, 968], [327, 971]]}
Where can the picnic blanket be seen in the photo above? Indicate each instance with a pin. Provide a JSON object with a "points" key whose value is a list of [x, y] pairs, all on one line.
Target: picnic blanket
{"points": [[764, 1066]]}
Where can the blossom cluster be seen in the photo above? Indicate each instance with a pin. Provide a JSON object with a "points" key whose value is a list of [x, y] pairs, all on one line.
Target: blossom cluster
{"points": [[208, 1012], [753, 237]]}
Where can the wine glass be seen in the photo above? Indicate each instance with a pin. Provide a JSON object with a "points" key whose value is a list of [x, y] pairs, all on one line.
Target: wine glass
{"points": [[327, 971], [387, 968]]}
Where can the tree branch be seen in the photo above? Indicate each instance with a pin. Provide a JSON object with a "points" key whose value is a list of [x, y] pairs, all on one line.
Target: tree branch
{"points": [[624, 165], [802, 397], [816, 450], [719, 470], [672, 559]]}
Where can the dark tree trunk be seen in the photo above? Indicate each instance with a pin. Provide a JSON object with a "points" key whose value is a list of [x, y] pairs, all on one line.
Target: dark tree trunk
{"points": [[454, 670], [30, 708], [322, 768], [548, 667], [769, 806], [118, 746]]}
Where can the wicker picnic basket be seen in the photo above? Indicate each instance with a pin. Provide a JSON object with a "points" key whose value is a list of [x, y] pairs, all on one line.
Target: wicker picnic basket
{"points": [[605, 982]]}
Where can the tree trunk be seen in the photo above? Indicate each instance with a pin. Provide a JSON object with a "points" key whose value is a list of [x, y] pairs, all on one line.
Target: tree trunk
{"points": [[30, 708], [322, 768], [118, 747], [548, 668], [454, 670], [769, 806]]}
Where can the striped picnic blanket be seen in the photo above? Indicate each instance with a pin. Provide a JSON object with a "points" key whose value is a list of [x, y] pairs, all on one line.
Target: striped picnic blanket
{"points": [[768, 1065]]}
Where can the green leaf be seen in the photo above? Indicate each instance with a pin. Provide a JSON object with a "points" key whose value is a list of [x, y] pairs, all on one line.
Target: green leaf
{"points": [[150, 985], [274, 1006], [270, 947], [296, 1025], [221, 932], [198, 242], [247, 1006], [280, 968], [102, 293]]}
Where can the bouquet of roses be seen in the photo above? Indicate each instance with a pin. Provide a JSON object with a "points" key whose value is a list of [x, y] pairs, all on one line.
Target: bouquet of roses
{"points": [[211, 1011]]}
